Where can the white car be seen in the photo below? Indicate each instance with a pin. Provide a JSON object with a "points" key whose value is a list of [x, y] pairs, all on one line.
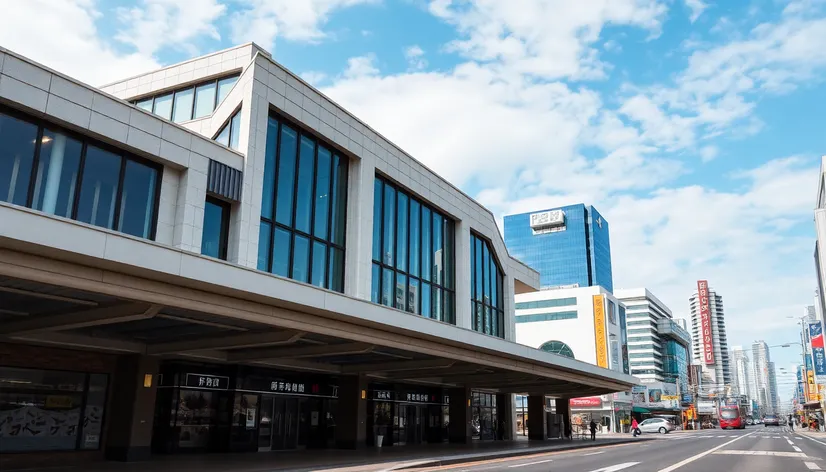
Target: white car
{"points": [[657, 425]]}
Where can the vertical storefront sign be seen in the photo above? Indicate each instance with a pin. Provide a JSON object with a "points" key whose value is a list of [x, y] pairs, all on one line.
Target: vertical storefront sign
{"points": [[599, 331], [818, 354], [705, 322], [801, 385]]}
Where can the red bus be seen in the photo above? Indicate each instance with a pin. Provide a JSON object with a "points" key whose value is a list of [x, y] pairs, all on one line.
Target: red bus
{"points": [[731, 417]]}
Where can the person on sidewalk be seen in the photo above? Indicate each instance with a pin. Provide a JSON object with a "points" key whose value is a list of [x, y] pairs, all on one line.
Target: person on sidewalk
{"points": [[593, 430], [635, 428], [791, 423]]}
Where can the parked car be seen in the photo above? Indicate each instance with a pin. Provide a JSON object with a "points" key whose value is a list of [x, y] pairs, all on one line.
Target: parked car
{"points": [[657, 425], [771, 420]]}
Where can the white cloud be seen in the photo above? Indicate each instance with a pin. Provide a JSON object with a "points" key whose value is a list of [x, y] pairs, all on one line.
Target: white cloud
{"points": [[548, 39], [153, 24], [415, 57], [708, 153], [63, 35], [295, 20], [697, 8], [361, 67]]}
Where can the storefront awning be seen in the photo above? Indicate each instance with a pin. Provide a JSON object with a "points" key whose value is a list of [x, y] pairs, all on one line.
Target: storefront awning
{"points": [[811, 406]]}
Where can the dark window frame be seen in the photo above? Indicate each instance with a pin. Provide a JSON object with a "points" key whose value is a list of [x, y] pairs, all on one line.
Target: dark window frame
{"points": [[291, 229], [500, 302], [175, 91], [391, 265], [226, 214], [85, 142]]}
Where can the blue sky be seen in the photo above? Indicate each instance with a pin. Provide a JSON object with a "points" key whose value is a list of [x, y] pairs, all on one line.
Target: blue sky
{"points": [[693, 125]]}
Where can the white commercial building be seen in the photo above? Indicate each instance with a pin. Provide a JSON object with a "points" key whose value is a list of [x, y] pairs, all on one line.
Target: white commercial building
{"points": [[221, 227], [584, 323], [709, 339], [650, 328], [741, 372]]}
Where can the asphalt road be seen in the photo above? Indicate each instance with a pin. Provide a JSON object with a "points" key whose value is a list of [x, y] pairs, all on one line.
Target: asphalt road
{"points": [[756, 449]]}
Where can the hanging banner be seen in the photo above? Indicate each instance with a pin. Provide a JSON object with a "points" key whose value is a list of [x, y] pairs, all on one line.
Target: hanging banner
{"points": [[801, 385], [705, 321], [599, 331], [818, 353], [811, 393]]}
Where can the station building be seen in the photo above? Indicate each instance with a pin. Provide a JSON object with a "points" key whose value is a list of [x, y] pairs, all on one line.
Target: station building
{"points": [[217, 257]]}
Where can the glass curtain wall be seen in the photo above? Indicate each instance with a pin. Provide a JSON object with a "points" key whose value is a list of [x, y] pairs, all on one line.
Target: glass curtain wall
{"points": [[57, 172], [413, 255], [486, 289], [230, 134], [189, 102], [303, 208]]}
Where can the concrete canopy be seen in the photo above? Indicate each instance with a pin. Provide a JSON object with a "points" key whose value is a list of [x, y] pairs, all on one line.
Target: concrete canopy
{"points": [[255, 318]]}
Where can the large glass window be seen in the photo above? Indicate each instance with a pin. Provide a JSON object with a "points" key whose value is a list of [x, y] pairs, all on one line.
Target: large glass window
{"points": [[216, 228], [412, 247], [47, 410], [190, 102], [73, 177], [230, 134], [302, 215], [17, 144], [486, 285]]}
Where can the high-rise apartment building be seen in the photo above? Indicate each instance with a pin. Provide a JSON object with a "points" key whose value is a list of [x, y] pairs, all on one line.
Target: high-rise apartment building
{"points": [[741, 372], [764, 378], [569, 246], [708, 333], [658, 347]]}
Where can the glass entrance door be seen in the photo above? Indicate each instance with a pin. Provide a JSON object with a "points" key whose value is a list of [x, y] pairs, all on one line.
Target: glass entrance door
{"points": [[290, 423], [265, 425]]}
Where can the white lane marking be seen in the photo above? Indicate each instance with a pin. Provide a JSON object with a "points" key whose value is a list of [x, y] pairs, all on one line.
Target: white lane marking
{"points": [[798, 437], [797, 449], [812, 465], [530, 463], [722, 436], [703, 454], [729, 452], [815, 440], [594, 453], [615, 468], [789, 441], [776, 437]]}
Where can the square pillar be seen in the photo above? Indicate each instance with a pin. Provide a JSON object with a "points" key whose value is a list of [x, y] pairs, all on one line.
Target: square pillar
{"points": [[537, 419], [563, 408], [460, 416], [505, 414], [351, 417], [461, 243], [132, 410]]}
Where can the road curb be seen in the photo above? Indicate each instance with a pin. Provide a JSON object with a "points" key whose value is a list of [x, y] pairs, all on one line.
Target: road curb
{"points": [[509, 454]]}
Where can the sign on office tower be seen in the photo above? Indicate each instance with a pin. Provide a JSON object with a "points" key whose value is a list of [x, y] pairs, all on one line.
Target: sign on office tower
{"points": [[600, 337], [547, 218], [705, 321]]}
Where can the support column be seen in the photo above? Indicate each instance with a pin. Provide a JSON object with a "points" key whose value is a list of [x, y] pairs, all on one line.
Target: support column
{"points": [[505, 413], [351, 417], [464, 315], [132, 410], [563, 408], [460, 416], [537, 419]]}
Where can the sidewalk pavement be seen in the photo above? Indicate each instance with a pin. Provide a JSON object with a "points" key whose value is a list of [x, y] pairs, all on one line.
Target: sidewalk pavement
{"points": [[337, 460]]}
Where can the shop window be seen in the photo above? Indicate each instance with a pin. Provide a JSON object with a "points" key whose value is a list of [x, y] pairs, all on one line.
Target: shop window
{"points": [[57, 172], [46, 410], [413, 249], [303, 208], [216, 228]]}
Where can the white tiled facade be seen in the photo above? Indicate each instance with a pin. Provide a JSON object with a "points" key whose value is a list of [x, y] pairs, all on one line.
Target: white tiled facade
{"points": [[578, 333], [185, 149]]}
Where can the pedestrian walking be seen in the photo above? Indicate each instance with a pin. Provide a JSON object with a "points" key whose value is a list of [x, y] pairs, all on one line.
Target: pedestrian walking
{"points": [[791, 423], [593, 430], [635, 428]]}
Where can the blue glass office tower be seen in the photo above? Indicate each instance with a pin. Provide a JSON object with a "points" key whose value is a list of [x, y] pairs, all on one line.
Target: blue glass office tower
{"points": [[567, 245]]}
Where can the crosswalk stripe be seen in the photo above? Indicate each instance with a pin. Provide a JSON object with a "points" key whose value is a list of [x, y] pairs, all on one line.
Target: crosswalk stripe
{"points": [[797, 449], [812, 465]]}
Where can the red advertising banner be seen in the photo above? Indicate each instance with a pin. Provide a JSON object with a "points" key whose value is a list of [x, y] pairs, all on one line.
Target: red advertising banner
{"points": [[705, 321], [586, 402]]}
